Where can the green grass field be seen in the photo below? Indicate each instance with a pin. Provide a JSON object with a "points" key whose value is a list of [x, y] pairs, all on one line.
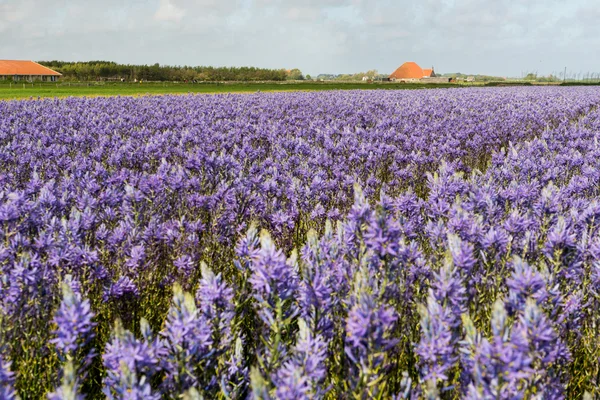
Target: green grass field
{"points": [[64, 89]]}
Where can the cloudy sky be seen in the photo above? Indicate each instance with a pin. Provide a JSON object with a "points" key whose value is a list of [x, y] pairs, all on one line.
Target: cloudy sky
{"points": [[500, 37]]}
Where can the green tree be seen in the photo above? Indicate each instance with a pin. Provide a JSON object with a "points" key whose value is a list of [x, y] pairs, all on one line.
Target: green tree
{"points": [[295, 75]]}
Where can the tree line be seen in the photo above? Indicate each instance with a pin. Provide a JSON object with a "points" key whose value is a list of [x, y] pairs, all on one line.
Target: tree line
{"points": [[107, 70]]}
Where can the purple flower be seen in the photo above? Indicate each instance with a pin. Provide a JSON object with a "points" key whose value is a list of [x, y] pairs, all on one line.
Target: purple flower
{"points": [[275, 285], [440, 325], [516, 223], [496, 368], [322, 281], [218, 310], [495, 239], [273, 280], [304, 374], [247, 249], [462, 254], [136, 257], [449, 291], [383, 232], [185, 264], [524, 283], [188, 341], [361, 211], [124, 287], [436, 347], [216, 305], [369, 328], [7, 380], [534, 335], [142, 357], [559, 238], [74, 322]]}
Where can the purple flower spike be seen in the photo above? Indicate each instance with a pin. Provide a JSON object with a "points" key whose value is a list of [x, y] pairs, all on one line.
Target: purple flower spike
{"points": [[124, 287], [436, 348], [7, 381], [369, 328], [144, 357], [525, 282], [462, 254], [74, 322], [188, 342], [304, 374], [273, 279], [185, 265]]}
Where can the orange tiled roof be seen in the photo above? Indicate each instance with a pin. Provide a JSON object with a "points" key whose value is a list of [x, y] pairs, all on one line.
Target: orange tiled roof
{"points": [[427, 72], [408, 70], [14, 67]]}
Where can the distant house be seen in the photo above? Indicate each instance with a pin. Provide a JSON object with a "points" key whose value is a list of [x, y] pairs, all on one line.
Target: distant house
{"points": [[428, 73], [412, 72], [26, 71], [409, 71]]}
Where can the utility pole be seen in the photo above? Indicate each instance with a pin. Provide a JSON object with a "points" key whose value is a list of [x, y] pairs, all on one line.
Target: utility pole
{"points": [[565, 75]]}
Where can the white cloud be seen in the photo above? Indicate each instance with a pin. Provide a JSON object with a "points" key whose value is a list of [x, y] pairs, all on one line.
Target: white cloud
{"points": [[167, 11]]}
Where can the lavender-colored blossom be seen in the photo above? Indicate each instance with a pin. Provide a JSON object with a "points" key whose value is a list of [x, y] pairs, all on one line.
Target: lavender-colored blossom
{"points": [[495, 239], [462, 253], [214, 296], [74, 322], [464, 259], [123, 287], [369, 328], [188, 341], [7, 380], [436, 347], [142, 357], [440, 325], [136, 257], [383, 233], [237, 377], [185, 265], [322, 278], [497, 369], [534, 335], [559, 238], [218, 310], [449, 291], [304, 374], [273, 280], [524, 283]]}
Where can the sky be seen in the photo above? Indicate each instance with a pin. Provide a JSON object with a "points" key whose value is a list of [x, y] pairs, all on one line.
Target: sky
{"points": [[495, 37]]}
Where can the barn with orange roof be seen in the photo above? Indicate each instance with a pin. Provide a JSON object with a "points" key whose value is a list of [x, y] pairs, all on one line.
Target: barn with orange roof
{"points": [[19, 70], [411, 71]]}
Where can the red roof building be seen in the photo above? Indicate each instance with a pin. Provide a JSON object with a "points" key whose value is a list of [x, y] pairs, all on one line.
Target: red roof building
{"points": [[26, 71], [411, 71]]}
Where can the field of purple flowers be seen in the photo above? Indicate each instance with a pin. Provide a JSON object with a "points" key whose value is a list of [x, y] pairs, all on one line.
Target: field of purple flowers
{"points": [[334, 245]]}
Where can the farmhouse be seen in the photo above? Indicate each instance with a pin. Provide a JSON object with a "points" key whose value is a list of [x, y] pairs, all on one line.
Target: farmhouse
{"points": [[26, 71], [411, 72]]}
